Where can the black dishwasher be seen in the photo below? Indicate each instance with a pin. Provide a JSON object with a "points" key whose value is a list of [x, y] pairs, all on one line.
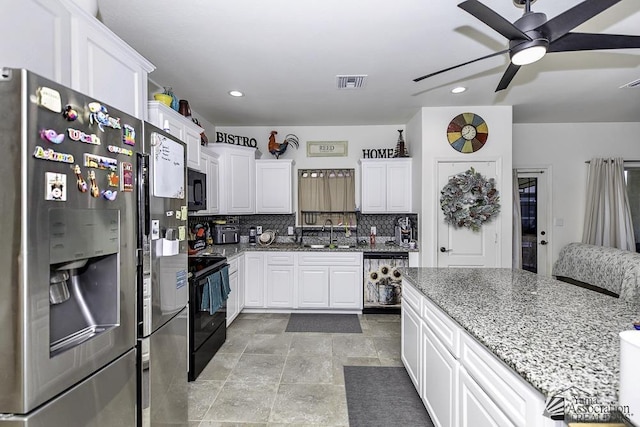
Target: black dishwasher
{"points": [[383, 281]]}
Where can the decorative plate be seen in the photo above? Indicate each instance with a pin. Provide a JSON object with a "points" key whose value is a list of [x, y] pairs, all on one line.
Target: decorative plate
{"points": [[267, 237], [467, 132]]}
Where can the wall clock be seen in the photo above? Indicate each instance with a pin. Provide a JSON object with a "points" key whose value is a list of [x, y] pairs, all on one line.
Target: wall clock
{"points": [[467, 132]]}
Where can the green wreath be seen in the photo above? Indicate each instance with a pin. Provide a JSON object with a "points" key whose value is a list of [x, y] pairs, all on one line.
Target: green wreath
{"points": [[469, 200]]}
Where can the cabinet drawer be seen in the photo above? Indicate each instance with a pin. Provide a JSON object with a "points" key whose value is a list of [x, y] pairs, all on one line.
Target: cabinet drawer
{"points": [[280, 258], [445, 329], [510, 393], [233, 265], [330, 258], [411, 296]]}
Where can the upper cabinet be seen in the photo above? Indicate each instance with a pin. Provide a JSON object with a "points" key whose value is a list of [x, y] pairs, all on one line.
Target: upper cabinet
{"points": [[236, 184], [179, 126], [274, 192], [386, 185], [62, 42]]}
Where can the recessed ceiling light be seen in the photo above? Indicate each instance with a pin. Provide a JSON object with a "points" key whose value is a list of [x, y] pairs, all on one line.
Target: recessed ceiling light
{"points": [[235, 93], [458, 89]]}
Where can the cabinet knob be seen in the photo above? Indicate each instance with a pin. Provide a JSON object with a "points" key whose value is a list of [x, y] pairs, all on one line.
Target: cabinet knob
{"points": [[543, 242], [443, 249]]}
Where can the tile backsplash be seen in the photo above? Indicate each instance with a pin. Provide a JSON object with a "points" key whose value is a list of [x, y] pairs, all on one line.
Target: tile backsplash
{"points": [[385, 223]]}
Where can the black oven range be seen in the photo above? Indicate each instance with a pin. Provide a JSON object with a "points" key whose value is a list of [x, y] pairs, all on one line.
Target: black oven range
{"points": [[207, 332]]}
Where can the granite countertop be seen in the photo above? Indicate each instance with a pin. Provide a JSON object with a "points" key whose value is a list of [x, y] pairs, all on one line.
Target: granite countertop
{"points": [[553, 334], [232, 250]]}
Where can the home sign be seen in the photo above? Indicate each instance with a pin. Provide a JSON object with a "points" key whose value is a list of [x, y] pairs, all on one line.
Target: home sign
{"points": [[377, 153]]}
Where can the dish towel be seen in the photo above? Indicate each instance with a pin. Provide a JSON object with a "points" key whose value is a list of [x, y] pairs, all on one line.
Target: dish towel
{"points": [[215, 291]]}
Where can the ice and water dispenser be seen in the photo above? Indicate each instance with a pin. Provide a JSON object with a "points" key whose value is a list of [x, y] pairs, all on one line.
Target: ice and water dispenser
{"points": [[84, 275]]}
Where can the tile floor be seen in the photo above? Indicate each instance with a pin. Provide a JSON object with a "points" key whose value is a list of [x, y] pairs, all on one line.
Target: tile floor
{"points": [[264, 376]]}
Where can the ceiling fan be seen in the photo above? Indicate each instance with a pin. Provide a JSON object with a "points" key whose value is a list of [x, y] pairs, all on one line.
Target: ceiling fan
{"points": [[532, 36]]}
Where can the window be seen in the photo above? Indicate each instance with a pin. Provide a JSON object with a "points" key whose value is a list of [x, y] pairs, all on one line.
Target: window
{"points": [[632, 178], [326, 194]]}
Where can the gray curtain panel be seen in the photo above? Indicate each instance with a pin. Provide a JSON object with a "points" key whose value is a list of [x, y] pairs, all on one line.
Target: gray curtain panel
{"points": [[607, 220]]}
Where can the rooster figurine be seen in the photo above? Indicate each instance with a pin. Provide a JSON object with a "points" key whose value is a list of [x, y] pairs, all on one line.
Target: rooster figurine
{"points": [[278, 149]]}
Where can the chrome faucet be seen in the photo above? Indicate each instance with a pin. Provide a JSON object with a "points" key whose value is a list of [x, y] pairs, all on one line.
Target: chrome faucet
{"points": [[328, 221]]}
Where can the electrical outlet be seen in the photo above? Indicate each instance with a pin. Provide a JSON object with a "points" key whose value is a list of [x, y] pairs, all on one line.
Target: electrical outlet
{"points": [[259, 229], [374, 230], [290, 230]]}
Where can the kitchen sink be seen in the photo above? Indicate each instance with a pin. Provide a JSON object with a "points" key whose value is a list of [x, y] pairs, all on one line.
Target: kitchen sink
{"points": [[322, 246], [316, 246]]}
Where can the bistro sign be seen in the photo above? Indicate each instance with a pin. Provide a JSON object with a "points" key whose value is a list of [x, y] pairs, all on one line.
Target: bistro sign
{"points": [[244, 141]]}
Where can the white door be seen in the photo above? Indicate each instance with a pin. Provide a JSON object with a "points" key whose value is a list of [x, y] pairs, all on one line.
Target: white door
{"points": [[280, 286], [462, 247], [313, 287], [534, 193], [345, 287]]}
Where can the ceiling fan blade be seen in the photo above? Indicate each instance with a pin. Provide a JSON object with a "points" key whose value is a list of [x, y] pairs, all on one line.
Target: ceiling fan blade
{"points": [[460, 65], [508, 75], [588, 41], [492, 19], [571, 18]]}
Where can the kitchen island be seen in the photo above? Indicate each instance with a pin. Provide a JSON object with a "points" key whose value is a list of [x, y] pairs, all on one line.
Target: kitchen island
{"points": [[555, 338]]}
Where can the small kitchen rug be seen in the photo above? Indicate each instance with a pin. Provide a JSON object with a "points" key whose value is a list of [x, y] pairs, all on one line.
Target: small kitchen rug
{"points": [[383, 396], [328, 323]]}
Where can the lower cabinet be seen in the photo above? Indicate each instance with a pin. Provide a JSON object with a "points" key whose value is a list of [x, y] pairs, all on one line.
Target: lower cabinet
{"points": [[254, 279], [410, 351], [476, 409], [459, 380], [439, 380], [304, 280], [233, 302], [313, 291]]}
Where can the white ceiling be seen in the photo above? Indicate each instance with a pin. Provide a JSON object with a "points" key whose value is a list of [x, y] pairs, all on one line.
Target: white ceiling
{"points": [[285, 55]]}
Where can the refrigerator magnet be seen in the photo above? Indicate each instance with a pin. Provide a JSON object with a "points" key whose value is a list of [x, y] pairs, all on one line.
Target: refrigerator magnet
{"points": [[129, 135], [100, 162], [126, 175], [80, 182], [69, 113], [52, 136], [178, 215], [49, 99], [113, 180], [55, 186], [182, 232], [183, 209]]}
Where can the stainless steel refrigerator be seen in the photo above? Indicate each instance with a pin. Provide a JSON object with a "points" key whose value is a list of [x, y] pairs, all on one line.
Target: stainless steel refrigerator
{"points": [[164, 289], [68, 257]]}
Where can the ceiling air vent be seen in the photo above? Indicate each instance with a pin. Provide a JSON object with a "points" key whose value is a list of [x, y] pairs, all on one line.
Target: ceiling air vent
{"points": [[635, 83], [351, 82]]}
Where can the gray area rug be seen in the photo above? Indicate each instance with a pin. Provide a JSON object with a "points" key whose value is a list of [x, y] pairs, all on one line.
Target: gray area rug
{"points": [[329, 323], [383, 396]]}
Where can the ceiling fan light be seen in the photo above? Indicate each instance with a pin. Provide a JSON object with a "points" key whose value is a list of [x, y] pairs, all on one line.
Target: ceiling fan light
{"points": [[529, 55]]}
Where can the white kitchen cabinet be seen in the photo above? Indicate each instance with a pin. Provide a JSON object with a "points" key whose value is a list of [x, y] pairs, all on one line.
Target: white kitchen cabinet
{"points": [[476, 409], [330, 280], [179, 126], [410, 342], [345, 287], [233, 302], [386, 185], [62, 42], [439, 380], [105, 67], [460, 381], [237, 186], [280, 276], [254, 280], [274, 192], [313, 291]]}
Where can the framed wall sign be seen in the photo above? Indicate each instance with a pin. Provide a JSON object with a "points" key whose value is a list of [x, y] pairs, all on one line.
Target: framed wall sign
{"points": [[327, 148]]}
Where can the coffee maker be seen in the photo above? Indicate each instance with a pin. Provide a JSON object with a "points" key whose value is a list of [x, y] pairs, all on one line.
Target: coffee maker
{"points": [[403, 232]]}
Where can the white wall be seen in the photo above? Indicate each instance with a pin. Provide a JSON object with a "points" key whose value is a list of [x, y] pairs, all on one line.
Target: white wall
{"points": [[436, 148], [565, 147], [415, 147], [358, 137]]}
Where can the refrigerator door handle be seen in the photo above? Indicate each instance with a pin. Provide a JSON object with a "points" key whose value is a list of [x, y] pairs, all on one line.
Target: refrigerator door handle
{"points": [[143, 190]]}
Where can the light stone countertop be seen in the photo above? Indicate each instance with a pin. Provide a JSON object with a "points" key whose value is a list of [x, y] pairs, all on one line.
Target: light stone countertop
{"points": [[553, 334], [233, 250]]}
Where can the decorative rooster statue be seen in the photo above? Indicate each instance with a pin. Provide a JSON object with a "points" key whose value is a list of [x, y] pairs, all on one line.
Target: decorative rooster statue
{"points": [[278, 149]]}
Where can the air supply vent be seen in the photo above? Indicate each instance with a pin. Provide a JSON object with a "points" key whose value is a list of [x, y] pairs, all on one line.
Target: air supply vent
{"points": [[635, 83], [351, 82]]}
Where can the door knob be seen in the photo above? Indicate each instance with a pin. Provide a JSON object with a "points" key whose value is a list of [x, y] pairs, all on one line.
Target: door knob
{"points": [[543, 242], [443, 249]]}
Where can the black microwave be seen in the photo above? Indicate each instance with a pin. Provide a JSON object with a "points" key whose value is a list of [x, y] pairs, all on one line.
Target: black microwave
{"points": [[196, 190]]}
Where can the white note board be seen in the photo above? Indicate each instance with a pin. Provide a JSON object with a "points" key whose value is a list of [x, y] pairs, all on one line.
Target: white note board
{"points": [[169, 167]]}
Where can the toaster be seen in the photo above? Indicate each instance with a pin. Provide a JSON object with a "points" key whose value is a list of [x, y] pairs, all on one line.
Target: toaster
{"points": [[225, 234]]}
